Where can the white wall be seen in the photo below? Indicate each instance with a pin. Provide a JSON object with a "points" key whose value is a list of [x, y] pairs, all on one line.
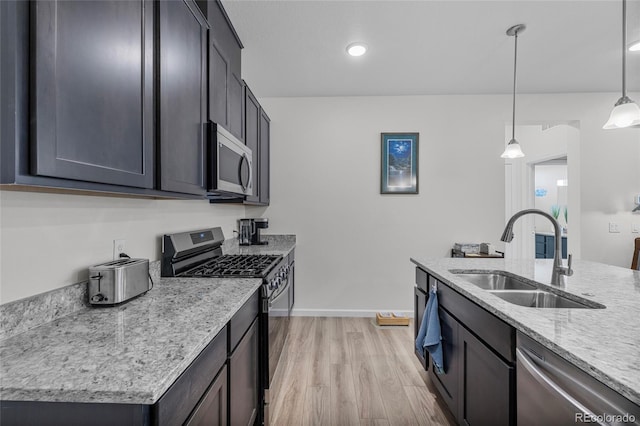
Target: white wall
{"points": [[354, 244], [49, 240]]}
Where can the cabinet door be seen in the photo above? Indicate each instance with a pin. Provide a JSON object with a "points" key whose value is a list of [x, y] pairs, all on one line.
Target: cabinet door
{"points": [[448, 383], [183, 44], [226, 95], [236, 107], [92, 101], [419, 305], [488, 385], [252, 138], [265, 159], [212, 409], [243, 379], [218, 77]]}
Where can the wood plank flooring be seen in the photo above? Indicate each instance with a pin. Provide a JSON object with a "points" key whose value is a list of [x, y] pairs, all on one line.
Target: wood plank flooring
{"points": [[349, 371]]}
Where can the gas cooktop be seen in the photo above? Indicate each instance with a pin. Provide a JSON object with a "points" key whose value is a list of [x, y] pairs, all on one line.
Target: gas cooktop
{"points": [[235, 265]]}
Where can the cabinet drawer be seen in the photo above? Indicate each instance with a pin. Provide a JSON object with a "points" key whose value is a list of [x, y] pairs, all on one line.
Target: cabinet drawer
{"points": [[241, 321], [176, 404], [495, 332]]}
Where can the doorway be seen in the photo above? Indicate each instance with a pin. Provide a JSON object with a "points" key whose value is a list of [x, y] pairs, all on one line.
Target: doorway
{"points": [[544, 145], [551, 186]]}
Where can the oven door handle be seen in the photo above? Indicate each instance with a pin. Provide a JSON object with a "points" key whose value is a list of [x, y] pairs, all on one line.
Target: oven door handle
{"points": [[281, 291]]}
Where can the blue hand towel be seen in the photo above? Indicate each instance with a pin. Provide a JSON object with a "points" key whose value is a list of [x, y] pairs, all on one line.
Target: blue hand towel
{"points": [[429, 336]]}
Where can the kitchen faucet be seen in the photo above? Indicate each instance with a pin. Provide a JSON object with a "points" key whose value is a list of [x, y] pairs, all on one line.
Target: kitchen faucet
{"points": [[558, 270]]}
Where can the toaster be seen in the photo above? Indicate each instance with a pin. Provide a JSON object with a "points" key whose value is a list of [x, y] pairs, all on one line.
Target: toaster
{"points": [[117, 281]]}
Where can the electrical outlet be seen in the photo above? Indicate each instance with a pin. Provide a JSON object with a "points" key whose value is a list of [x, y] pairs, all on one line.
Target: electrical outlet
{"points": [[635, 228], [614, 228], [118, 247]]}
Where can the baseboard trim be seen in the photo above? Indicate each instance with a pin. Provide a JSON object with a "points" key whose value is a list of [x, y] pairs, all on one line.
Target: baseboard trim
{"points": [[342, 313]]}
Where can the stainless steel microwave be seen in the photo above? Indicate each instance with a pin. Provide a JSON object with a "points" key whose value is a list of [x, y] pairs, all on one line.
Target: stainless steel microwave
{"points": [[231, 168]]}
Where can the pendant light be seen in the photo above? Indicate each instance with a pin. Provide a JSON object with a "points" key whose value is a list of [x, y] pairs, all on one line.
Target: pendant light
{"points": [[625, 112], [513, 147]]}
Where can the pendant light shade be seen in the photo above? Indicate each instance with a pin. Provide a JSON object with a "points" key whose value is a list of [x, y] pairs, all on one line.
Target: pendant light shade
{"points": [[513, 149], [625, 113]]}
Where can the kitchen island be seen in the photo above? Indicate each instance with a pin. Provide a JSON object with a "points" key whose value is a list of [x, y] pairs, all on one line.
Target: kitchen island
{"points": [[129, 354], [601, 342]]}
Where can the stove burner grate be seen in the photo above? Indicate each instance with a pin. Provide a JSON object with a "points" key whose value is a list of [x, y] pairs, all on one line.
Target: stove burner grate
{"points": [[235, 265]]}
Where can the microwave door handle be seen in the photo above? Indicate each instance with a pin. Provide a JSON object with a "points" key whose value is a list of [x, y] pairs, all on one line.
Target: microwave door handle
{"points": [[242, 160], [250, 183], [245, 158]]}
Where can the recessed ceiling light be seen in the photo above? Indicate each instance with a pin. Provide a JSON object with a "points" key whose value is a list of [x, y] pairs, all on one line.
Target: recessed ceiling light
{"points": [[357, 49], [635, 47]]}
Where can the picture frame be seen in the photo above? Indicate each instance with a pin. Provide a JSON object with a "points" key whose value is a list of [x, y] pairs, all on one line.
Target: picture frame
{"points": [[399, 163]]}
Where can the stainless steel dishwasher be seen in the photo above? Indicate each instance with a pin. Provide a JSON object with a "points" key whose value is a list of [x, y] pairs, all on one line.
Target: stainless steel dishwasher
{"points": [[552, 391]]}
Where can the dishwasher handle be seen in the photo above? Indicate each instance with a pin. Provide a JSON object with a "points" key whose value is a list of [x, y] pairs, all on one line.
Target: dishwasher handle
{"points": [[526, 362]]}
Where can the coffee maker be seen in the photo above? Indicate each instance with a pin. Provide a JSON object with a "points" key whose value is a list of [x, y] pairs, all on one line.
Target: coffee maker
{"points": [[249, 233]]}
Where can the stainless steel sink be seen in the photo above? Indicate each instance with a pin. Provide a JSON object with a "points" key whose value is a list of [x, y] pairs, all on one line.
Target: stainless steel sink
{"points": [[496, 281], [521, 292], [538, 299]]}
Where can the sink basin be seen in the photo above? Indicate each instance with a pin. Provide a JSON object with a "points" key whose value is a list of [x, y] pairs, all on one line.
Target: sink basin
{"points": [[539, 299], [519, 291], [496, 281]]}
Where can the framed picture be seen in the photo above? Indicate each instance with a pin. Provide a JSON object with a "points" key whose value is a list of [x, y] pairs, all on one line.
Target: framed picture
{"points": [[399, 163]]}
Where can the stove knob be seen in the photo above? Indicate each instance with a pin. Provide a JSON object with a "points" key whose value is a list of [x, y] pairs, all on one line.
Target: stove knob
{"points": [[278, 282], [272, 285]]}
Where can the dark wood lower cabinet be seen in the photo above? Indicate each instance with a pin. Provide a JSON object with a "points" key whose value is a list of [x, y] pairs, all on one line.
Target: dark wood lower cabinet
{"points": [[420, 302], [243, 380], [478, 384], [448, 384], [487, 385], [212, 409]]}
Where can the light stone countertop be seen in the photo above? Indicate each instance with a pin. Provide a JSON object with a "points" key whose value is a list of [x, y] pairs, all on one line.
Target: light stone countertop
{"points": [[130, 353], [278, 245], [605, 343], [126, 354]]}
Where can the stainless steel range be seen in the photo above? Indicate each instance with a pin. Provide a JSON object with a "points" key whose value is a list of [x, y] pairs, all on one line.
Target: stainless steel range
{"points": [[198, 254]]}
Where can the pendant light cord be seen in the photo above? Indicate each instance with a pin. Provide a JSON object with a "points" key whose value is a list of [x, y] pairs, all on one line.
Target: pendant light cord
{"points": [[515, 62], [624, 48]]}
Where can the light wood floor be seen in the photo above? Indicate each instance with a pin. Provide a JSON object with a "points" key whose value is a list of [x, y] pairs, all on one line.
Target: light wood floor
{"points": [[349, 371]]}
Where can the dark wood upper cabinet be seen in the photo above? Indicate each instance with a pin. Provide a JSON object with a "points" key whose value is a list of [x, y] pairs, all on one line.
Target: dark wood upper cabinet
{"points": [[257, 135], [226, 95], [92, 109], [265, 158], [182, 91], [252, 139], [218, 85]]}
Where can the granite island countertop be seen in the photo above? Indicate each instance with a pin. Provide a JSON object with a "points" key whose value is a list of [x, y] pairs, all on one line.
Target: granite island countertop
{"points": [[605, 343], [130, 353]]}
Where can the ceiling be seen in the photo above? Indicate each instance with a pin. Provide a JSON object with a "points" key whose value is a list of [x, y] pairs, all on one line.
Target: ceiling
{"points": [[297, 47]]}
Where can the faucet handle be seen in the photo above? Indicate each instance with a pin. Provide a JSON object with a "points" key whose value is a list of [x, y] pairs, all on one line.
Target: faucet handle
{"points": [[569, 270]]}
